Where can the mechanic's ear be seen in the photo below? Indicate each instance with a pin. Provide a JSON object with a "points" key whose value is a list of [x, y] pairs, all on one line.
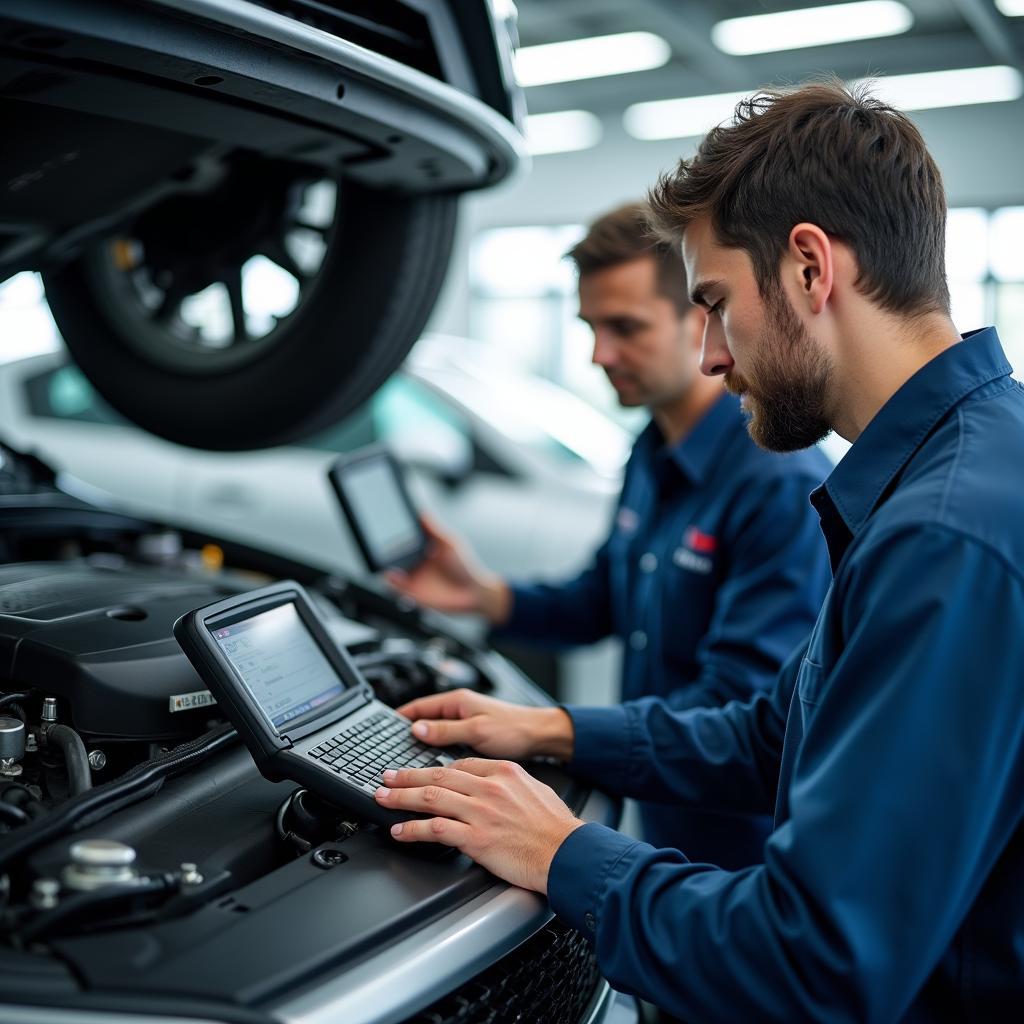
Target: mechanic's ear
{"points": [[811, 256]]}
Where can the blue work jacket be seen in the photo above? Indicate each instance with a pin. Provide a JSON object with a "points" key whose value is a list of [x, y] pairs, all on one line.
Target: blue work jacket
{"points": [[891, 750], [714, 571]]}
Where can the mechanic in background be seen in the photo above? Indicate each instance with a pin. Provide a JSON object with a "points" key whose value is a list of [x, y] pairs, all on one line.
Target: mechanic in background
{"points": [[715, 568]]}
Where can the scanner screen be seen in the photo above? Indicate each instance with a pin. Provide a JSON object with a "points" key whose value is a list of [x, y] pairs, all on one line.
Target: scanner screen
{"points": [[384, 518], [281, 664]]}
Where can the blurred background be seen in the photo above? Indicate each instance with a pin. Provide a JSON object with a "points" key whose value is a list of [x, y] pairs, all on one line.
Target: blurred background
{"points": [[512, 436], [602, 138]]}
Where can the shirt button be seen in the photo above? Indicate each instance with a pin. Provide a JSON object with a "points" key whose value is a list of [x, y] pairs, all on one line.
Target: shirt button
{"points": [[638, 639], [590, 921], [648, 562]]}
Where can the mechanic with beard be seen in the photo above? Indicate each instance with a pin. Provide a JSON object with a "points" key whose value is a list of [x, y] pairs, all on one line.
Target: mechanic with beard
{"points": [[892, 747], [715, 568]]}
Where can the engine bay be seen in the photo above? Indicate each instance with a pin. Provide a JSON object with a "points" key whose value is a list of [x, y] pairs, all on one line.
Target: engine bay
{"points": [[144, 860]]}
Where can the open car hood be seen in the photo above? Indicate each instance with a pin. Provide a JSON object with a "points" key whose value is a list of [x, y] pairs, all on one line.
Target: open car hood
{"points": [[172, 157]]}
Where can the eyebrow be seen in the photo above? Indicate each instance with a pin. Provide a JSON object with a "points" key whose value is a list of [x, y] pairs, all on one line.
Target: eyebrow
{"points": [[700, 290]]}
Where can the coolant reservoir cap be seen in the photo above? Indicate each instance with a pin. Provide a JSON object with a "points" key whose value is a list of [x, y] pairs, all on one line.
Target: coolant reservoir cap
{"points": [[102, 853], [96, 863]]}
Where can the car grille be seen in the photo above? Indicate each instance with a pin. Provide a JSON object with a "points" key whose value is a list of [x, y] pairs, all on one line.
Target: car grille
{"points": [[549, 979]]}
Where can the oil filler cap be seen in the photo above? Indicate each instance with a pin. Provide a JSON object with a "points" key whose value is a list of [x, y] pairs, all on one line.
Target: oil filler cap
{"points": [[96, 863]]}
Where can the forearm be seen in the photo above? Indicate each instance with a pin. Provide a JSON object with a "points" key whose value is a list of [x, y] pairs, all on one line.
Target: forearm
{"points": [[702, 943], [705, 756], [559, 615], [725, 758]]}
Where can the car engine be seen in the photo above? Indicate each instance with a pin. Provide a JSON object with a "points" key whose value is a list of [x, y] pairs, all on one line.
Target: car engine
{"points": [[144, 861]]}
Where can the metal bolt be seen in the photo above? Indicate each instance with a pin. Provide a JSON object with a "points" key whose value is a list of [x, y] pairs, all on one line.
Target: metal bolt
{"points": [[190, 874], [31, 744], [49, 709], [97, 760], [45, 893], [328, 858]]}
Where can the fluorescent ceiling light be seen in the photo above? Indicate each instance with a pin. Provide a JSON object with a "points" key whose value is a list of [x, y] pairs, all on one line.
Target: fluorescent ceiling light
{"points": [[679, 119], [696, 115], [1011, 8], [962, 87], [811, 26], [590, 58], [562, 132]]}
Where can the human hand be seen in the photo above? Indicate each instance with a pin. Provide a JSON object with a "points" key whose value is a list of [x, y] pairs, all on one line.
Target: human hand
{"points": [[492, 811], [492, 727], [449, 579]]}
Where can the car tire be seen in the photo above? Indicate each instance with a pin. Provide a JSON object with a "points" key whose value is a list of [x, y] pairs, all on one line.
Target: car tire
{"points": [[375, 288]]}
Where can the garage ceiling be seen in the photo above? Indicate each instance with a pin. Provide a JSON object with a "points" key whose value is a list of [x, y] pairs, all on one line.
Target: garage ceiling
{"points": [[945, 34]]}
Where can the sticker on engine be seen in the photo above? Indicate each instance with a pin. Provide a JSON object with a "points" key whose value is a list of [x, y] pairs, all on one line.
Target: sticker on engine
{"points": [[188, 701]]}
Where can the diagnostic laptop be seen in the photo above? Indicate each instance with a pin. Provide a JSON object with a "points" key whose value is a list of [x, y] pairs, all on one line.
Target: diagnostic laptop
{"points": [[298, 701]]}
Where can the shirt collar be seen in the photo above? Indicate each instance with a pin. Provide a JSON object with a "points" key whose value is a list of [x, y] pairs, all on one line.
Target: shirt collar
{"points": [[694, 455], [901, 426]]}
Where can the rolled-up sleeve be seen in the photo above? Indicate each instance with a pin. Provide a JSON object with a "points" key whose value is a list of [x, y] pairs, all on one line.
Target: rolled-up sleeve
{"points": [[908, 783]]}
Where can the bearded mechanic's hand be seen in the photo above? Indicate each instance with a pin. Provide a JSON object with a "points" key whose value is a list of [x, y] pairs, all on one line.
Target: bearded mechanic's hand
{"points": [[492, 811], [492, 727]]}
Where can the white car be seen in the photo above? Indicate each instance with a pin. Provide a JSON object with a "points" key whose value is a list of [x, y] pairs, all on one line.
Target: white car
{"points": [[522, 469]]}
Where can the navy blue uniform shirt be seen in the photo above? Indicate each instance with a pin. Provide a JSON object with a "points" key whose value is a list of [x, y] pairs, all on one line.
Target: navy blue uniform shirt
{"points": [[891, 749], [714, 571]]}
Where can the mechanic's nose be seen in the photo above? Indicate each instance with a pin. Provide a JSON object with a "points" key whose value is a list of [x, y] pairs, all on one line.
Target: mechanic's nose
{"points": [[715, 358], [605, 354]]}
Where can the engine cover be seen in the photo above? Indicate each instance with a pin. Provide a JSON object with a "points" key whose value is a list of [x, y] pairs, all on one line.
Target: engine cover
{"points": [[99, 639]]}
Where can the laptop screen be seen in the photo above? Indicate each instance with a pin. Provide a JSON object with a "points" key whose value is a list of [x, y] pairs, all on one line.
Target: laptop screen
{"points": [[280, 663]]}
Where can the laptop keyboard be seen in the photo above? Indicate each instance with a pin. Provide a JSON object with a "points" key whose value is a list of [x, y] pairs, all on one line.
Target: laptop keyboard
{"points": [[379, 741]]}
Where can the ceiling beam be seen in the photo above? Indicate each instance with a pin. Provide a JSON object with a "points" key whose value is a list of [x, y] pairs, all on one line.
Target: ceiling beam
{"points": [[992, 29], [686, 25]]}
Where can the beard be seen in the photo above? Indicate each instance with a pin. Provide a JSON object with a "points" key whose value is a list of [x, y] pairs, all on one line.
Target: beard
{"points": [[787, 385]]}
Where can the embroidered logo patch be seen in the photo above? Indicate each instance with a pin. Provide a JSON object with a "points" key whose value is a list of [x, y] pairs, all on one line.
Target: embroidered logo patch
{"points": [[702, 543], [696, 552], [686, 559]]}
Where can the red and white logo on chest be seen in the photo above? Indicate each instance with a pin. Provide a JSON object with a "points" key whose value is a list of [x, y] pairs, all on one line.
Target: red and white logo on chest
{"points": [[696, 550]]}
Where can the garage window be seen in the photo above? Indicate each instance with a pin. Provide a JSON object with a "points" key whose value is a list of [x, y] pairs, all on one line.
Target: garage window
{"points": [[417, 425]]}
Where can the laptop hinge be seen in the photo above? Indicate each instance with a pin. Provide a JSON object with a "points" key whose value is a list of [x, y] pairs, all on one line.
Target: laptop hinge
{"points": [[359, 697]]}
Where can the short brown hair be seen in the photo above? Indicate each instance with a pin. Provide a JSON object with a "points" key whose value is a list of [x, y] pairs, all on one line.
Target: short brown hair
{"points": [[625, 234], [830, 155]]}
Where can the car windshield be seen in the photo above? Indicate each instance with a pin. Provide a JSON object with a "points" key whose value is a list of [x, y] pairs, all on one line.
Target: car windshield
{"points": [[535, 413]]}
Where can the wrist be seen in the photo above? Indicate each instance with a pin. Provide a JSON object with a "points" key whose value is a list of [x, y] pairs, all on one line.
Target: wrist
{"points": [[494, 599], [555, 843], [553, 733]]}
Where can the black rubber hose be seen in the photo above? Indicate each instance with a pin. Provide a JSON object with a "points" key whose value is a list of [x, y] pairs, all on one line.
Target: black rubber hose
{"points": [[75, 757], [95, 904], [12, 815], [21, 796], [10, 698], [100, 802]]}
